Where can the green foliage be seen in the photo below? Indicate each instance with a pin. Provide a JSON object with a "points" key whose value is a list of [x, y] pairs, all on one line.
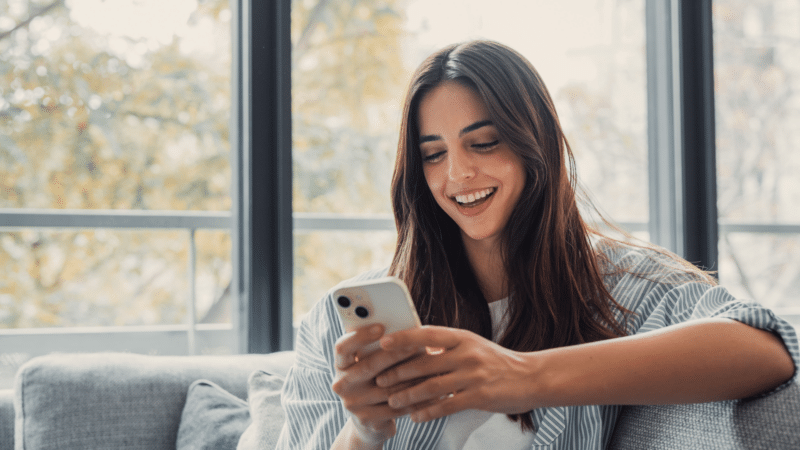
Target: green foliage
{"points": [[347, 74], [89, 121]]}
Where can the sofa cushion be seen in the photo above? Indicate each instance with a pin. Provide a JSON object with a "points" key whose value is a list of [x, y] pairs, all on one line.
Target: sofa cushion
{"points": [[212, 419], [119, 400], [264, 397]]}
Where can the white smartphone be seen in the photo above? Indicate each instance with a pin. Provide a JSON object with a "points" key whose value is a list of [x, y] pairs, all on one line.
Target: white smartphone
{"points": [[383, 300]]}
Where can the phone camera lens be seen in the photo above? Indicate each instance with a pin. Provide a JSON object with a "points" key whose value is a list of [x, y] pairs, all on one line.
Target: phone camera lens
{"points": [[362, 312], [344, 302]]}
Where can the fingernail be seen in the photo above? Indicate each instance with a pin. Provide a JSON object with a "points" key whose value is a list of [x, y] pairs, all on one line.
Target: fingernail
{"points": [[375, 329], [394, 402], [380, 381], [386, 341]]}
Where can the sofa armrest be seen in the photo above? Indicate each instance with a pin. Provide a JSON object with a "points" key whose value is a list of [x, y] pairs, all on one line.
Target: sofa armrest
{"points": [[119, 400], [771, 422]]}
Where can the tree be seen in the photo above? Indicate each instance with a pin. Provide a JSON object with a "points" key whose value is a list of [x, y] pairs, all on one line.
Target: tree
{"points": [[90, 121]]}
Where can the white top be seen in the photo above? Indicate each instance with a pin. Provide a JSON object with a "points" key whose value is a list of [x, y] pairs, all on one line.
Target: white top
{"points": [[477, 430]]}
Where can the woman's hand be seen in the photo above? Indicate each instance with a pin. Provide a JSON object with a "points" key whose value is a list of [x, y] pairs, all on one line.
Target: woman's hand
{"points": [[465, 372], [372, 421]]}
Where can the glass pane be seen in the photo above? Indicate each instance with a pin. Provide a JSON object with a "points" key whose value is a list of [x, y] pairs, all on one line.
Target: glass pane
{"points": [[757, 111], [213, 276], [765, 267], [55, 278], [115, 105], [353, 60], [324, 258], [102, 277]]}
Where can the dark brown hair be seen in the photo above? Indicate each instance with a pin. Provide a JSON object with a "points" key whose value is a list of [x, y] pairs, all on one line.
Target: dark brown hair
{"points": [[555, 276]]}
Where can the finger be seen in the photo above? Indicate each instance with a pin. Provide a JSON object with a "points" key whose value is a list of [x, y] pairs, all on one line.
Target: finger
{"points": [[423, 366], [427, 336], [348, 345], [434, 388], [344, 360], [402, 386], [376, 363], [356, 397], [446, 406], [376, 415], [363, 372]]}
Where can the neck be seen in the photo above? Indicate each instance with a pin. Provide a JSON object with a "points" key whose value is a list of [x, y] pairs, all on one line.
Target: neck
{"points": [[486, 259]]}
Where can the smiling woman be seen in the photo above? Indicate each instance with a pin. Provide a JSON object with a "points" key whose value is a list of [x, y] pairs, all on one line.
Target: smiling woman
{"points": [[546, 325]]}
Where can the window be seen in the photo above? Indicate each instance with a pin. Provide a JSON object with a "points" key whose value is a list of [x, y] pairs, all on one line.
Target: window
{"points": [[758, 107], [114, 177]]}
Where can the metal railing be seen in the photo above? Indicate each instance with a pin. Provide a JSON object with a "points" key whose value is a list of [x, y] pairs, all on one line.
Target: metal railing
{"points": [[169, 339], [177, 339]]}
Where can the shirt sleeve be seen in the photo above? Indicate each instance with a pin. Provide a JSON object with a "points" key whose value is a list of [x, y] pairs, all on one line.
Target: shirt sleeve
{"points": [[314, 413], [673, 298]]}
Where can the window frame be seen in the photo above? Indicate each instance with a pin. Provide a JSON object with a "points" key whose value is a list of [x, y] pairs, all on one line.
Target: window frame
{"points": [[263, 164], [681, 129]]}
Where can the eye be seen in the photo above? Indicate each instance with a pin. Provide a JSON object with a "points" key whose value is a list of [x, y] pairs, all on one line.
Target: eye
{"points": [[483, 146], [433, 157]]}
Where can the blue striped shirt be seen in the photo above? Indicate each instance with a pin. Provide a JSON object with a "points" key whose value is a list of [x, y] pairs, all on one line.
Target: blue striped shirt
{"points": [[315, 415]]}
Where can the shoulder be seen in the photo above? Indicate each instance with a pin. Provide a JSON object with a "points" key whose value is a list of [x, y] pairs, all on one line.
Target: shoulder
{"points": [[647, 262], [640, 277]]}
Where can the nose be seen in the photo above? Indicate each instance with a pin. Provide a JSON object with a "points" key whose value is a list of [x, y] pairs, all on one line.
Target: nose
{"points": [[460, 165]]}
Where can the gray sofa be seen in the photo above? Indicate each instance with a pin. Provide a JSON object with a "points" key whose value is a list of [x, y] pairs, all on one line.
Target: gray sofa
{"points": [[126, 401]]}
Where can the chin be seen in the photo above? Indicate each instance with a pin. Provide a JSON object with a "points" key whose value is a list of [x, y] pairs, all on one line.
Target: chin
{"points": [[478, 235]]}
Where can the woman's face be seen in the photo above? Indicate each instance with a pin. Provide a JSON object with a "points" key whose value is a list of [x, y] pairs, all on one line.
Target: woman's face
{"points": [[473, 175]]}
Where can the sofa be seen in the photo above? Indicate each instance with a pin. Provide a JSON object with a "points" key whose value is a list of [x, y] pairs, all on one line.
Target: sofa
{"points": [[128, 401]]}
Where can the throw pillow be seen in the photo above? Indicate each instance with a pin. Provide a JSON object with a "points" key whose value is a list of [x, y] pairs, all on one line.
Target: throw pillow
{"points": [[212, 418], [264, 396]]}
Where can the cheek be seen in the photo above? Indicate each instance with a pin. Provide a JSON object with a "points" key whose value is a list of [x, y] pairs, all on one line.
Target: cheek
{"points": [[434, 182], [515, 175], [436, 186]]}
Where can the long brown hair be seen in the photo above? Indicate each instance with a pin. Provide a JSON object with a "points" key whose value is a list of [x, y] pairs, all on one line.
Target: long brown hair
{"points": [[558, 296]]}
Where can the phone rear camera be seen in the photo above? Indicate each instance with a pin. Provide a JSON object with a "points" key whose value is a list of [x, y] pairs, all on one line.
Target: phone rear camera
{"points": [[362, 312], [344, 302]]}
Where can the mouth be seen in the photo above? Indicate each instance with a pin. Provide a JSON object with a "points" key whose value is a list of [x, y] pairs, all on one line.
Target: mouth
{"points": [[474, 199]]}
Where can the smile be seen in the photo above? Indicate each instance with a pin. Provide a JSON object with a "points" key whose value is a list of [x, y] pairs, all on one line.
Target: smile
{"points": [[474, 198]]}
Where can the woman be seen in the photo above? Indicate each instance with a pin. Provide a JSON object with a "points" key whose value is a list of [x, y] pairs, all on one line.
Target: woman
{"points": [[540, 324]]}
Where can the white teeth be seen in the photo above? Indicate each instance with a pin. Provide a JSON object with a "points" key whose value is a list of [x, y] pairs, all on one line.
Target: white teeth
{"points": [[473, 196]]}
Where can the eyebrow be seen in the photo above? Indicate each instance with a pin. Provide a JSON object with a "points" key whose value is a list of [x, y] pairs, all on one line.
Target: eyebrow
{"points": [[465, 130]]}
